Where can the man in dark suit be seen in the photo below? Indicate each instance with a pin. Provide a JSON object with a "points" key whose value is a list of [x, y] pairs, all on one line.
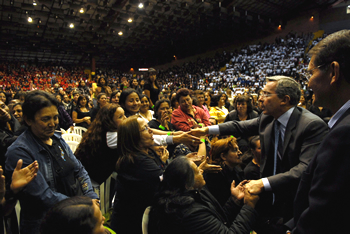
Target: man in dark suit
{"points": [[322, 202], [299, 132]]}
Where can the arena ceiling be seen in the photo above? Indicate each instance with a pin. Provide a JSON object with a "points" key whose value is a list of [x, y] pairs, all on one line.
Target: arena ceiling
{"points": [[158, 31]]}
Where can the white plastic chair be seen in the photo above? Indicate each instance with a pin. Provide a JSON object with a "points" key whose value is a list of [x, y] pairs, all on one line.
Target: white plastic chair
{"points": [[72, 137], [73, 145], [77, 130], [145, 219]]}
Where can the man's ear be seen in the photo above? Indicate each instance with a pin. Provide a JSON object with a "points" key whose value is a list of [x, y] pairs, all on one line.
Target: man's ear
{"points": [[285, 100], [335, 69], [28, 121]]}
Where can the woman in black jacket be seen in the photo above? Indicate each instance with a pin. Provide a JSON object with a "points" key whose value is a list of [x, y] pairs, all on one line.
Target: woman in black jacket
{"points": [[183, 206]]}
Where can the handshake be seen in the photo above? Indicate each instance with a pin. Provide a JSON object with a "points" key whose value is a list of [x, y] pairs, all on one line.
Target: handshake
{"points": [[247, 191]]}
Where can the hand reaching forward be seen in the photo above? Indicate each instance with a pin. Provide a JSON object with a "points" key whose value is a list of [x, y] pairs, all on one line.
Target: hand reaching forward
{"points": [[209, 168], [238, 191], [255, 186], [22, 177], [199, 131]]}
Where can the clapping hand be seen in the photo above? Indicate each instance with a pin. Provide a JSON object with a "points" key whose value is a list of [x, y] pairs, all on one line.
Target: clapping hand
{"points": [[22, 177]]}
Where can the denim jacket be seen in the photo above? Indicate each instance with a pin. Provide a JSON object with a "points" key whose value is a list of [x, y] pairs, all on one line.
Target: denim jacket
{"points": [[40, 195]]}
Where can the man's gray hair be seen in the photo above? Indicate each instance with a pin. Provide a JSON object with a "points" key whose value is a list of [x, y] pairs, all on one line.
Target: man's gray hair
{"points": [[286, 86]]}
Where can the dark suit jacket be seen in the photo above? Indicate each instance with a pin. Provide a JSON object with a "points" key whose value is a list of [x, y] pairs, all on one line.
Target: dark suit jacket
{"points": [[304, 133], [322, 202]]}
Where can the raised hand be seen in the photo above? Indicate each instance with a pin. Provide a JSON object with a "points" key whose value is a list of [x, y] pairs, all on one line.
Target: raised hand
{"points": [[22, 177], [209, 168]]}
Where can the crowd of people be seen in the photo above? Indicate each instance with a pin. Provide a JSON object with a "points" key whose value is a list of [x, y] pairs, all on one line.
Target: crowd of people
{"points": [[229, 144]]}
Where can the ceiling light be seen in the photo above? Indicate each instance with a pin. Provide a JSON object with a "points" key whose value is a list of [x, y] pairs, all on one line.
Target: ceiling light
{"points": [[141, 5], [34, 3], [71, 25], [129, 20], [120, 33], [30, 19], [81, 10]]}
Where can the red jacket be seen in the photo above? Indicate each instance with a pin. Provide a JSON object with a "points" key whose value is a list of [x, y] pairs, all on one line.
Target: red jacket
{"points": [[183, 122]]}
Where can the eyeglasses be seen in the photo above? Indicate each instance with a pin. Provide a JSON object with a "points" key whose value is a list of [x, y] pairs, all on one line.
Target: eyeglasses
{"points": [[265, 94], [145, 128], [308, 73]]}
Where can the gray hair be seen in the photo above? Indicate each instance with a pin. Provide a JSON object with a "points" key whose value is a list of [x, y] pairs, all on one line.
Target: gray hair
{"points": [[286, 86]]}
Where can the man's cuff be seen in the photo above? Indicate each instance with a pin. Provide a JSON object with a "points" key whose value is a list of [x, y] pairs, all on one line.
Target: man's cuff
{"points": [[267, 185], [213, 129], [169, 140]]}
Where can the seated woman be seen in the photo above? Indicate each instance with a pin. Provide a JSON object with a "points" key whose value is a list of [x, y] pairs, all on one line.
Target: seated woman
{"points": [[139, 174], [60, 174], [218, 109], [115, 97], [81, 114], [74, 215], [182, 205], [252, 170], [144, 112], [101, 101], [96, 151], [162, 116], [224, 152]]}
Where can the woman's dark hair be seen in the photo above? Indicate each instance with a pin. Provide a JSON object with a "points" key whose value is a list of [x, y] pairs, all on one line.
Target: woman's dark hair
{"points": [[131, 85], [81, 97], [178, 178], [182, 93], [125, 94], [157, 105], [215, 100], [99, 82], [95, 137], [70, 216], [115, 92], [252, 146], [173, 102], [148, 79], [143, 95], [221, 146], [7, 98], [37, 100], [20, 94], [128, 131], [246, 99]]}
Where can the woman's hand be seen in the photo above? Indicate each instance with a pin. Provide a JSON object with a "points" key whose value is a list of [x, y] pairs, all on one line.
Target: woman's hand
{"points": [[194, 157], [238, 191], [209, 168], [22, 177], [250, 199]]}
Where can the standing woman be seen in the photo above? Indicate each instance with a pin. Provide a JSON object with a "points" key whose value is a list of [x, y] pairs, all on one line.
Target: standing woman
{"points": [[101, 101], [139, 173], [218, 109], [145, 113], [81, 114], [201, 99], [3, 97], [60, 174], [97, 149], [252, 170], [152, 89], [162, 114], [130, 101], [243, 110]]}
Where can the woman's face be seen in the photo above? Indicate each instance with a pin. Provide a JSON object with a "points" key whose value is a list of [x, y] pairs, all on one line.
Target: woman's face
{"points": [[102, 101], [119, 116], [199, 181], [82, 83], [17, 113], [132, 103], [242, 108], [58, 97], [142, 82], [257, 151], [44, 123], [98, 229], [164, 111], [302, 99], [115, 98], [4, 113], [102, 81], [200, 98], [222, 101], [233, 157], [134, 83], [83, 102], [144, 105], [146, 134], [152, 77], [207, 96], [3, 97]]}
